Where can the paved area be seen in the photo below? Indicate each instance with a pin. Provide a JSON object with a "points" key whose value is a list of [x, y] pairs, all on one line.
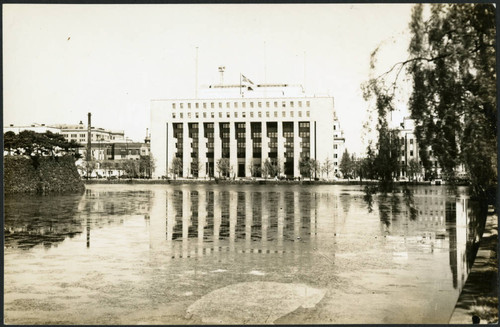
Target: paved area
{"points": [[480, 293]]}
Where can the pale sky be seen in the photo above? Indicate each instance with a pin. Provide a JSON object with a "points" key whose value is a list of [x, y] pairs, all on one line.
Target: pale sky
{"points": [[63, 61]]}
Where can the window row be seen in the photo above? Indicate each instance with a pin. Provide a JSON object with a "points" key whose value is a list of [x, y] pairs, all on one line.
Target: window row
{"points": [[251, 104], [236, 114]]}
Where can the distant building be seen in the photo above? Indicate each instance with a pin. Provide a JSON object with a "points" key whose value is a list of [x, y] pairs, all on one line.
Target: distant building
{"points": [[79, 133], [246, 124], [410, 151], [105, 144], [37, 128]]}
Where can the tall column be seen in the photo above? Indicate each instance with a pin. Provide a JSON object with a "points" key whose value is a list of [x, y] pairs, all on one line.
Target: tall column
{"points": [[296, 149], [158, 220], [281, 146], [170, 215], [202, 148], [186, 149], [265, 144], [281, 218], [170, 147], [217, 146], [264, 223], [233, 214], [312, 137], [202, 218], [248, 220], [186, 221], [170, 223], [233, 148], [248, 149], [217, 219]]}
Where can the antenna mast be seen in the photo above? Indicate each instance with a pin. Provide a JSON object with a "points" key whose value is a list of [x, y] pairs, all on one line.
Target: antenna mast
{"points": [[221, 71]]}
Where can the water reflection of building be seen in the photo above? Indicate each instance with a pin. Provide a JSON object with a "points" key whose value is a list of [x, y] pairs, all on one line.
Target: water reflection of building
{"points": [[444, 221], [207, 222]]}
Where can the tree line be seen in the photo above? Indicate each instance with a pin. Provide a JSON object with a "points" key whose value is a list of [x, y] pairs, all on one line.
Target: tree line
{"points": [[452, 69], [32, 144]]}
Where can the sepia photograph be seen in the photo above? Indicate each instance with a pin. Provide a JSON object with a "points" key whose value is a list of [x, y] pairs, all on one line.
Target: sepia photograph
{"points": [[243, 164]]}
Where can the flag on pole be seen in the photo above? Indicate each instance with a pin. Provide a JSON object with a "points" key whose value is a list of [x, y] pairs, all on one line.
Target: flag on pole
{"points": [[244, 79]]}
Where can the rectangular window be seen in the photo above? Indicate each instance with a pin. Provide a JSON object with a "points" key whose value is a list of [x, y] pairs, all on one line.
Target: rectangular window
{"points": [[251, 114], [173, 105], [189, 115], [307, 114], [259, 104], [228, 115], [335, 163], [291, 104], [291, 113], [173, 114], [228, 105], [335, 146], [251, 104], [189, 105], [204, 115], [196, 115], [267, 104], [243, 114], [275, 114], [283, 104], [236, 104], [212, 115], [181, 105], [335, 155], [411, 141], [220, 105], [300, 113], [267, 114], [220, 114], [197, 105], [235, 114], [212, 105], [275, 104], [283, 114], [243, 104], [300, 104], [259, 114], [308, 103], [411, 153], [204, 105]]}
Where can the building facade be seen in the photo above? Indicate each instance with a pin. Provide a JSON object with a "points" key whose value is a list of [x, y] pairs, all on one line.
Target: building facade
{"points": [[37, 128], [79, 133], [247, 126]]}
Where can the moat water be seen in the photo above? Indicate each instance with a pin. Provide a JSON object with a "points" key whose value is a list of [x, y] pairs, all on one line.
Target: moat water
{"points": [[239, 254]]}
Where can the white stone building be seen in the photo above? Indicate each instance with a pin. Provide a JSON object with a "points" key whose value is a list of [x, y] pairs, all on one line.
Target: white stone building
{"points": [[246, 124]]}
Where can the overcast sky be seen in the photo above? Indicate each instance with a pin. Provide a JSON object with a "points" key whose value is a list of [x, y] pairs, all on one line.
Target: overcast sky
{"points": [[63, 61]]}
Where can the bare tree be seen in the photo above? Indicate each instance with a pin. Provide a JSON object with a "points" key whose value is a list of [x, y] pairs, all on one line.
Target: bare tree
{"points": [[176, 167], [327, 167], [223, 167]]}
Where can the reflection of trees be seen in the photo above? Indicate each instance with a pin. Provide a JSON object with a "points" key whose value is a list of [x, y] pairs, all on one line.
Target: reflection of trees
{"points": [[345, 199], [390, 204], [31, 220]]}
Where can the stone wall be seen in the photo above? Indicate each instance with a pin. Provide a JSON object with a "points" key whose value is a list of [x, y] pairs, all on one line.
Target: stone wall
{"points": [[41, 175]]}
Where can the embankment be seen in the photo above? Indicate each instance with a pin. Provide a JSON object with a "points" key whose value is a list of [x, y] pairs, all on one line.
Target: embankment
{"points": [[41, 175]]}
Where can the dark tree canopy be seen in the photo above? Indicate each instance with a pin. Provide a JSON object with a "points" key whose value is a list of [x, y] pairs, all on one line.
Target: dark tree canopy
{"points": [[34, 144], [452, 65]]}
